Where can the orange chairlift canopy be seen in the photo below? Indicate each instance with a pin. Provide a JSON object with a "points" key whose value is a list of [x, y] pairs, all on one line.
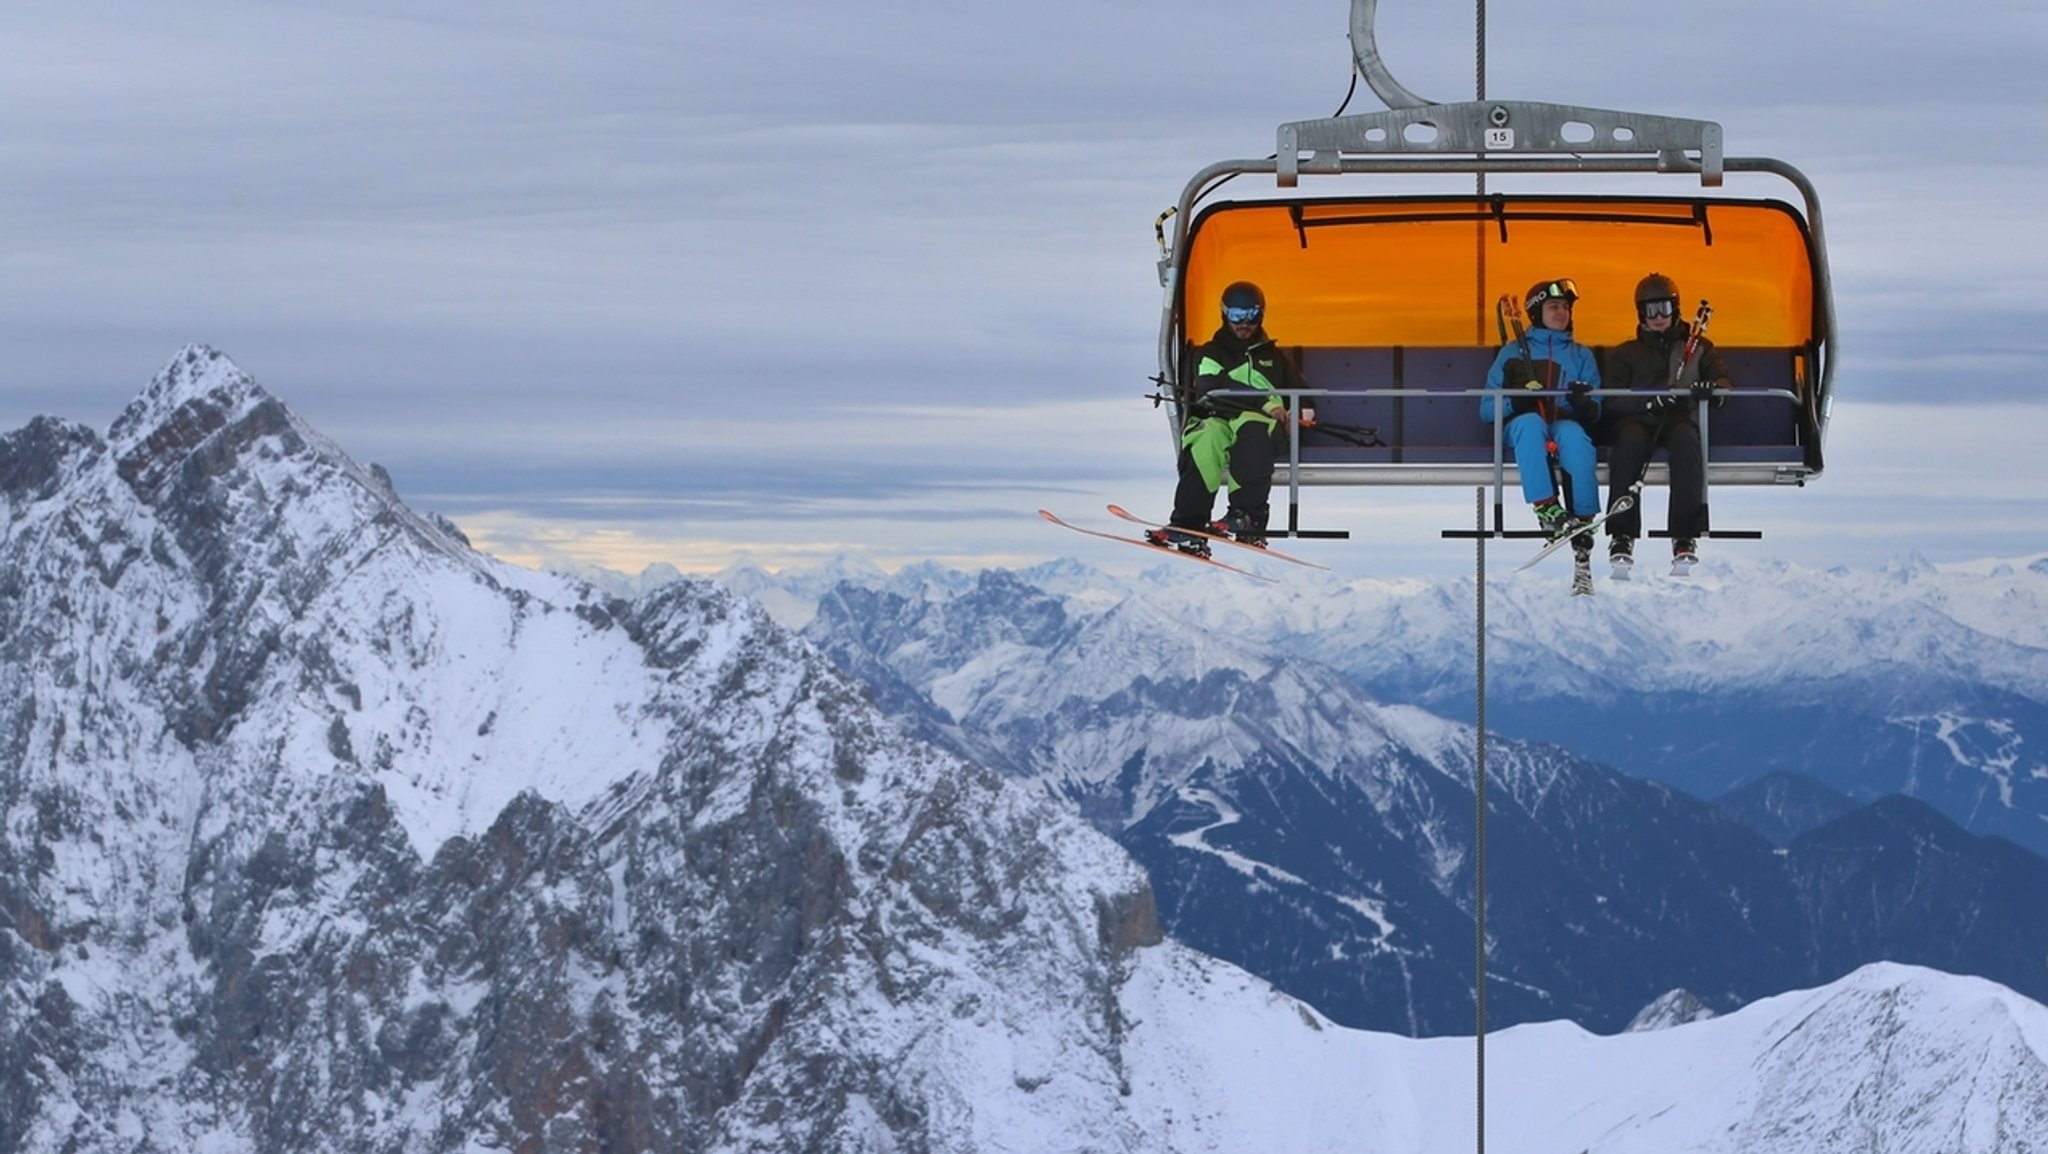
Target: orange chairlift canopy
{"points": [[1409, 272]]}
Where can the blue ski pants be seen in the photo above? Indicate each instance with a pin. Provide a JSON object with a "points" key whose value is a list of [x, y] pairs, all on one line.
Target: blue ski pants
{"points": [[1527, 435]]}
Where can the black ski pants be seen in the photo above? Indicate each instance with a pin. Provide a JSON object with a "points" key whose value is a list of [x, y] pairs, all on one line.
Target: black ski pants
{"points": [[1252, 457], [1635, 438]]}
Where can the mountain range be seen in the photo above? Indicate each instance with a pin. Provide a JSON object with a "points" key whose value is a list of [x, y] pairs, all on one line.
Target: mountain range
{"points": [[325, 832], [1323, 839], [1916, 679], [1924, 680]]}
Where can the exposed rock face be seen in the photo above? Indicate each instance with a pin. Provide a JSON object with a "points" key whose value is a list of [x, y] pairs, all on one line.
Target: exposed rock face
{"points": [[1673, 1009], [324, 832]]}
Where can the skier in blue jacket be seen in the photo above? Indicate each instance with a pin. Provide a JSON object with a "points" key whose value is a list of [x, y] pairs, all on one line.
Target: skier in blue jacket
{"points": [[1548, 358]]}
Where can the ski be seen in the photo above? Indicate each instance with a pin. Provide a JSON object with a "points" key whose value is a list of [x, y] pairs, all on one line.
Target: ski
{"points": [[1261, 550], [1682, 566], [1619, 505], [1144, 544], [1582, 575]]}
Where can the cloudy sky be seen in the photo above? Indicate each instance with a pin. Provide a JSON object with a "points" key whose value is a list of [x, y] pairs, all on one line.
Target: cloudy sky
{"points": [[624, 282]]}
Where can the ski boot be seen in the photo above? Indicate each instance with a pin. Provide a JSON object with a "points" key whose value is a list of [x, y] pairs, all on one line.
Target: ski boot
{"points": [[1621, 556], [1240, 527], [1685, 554], [1193, 544], [1552, 518]]}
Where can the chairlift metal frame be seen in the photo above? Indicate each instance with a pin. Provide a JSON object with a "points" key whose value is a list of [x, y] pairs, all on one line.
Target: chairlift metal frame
{"points": [[1417, 137]]}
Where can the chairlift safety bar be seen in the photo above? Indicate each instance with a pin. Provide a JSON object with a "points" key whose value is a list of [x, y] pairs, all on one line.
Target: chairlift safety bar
{"points": [[1494, 474]]}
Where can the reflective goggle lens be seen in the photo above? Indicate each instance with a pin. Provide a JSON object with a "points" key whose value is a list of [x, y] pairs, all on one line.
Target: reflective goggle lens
{"points": [[1243, 315], [1659, 308]]}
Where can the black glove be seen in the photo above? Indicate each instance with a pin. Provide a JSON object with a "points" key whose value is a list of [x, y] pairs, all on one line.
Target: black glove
{"points": [[1661, 402], [1702, 391], [1214, 404], [1583, 407]]}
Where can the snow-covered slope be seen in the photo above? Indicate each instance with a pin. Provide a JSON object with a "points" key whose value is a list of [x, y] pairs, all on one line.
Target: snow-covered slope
{"points": [[1889, 1060]]}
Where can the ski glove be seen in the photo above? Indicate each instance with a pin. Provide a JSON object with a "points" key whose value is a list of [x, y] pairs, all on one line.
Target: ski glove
{"points": [[1703, 390], [1583, 407], [1212, 405], [1661, 402]]}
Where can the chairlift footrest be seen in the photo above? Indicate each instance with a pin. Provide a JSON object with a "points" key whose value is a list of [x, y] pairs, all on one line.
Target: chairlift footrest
{"points": [[1717, 534]]}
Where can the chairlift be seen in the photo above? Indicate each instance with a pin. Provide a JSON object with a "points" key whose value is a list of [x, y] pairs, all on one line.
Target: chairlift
{"points": [[1386, 297]]}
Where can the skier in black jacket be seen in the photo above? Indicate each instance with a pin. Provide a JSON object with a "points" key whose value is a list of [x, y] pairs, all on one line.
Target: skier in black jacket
{"points": [[1232, 441], [1661, 413]]}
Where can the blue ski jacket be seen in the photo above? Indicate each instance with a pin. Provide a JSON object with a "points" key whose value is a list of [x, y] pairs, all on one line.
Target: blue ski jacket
{"points": [[1556, 361]]}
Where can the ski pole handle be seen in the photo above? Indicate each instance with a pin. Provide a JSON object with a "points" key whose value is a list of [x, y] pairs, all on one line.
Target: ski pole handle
{"points": [[1692, 339]]}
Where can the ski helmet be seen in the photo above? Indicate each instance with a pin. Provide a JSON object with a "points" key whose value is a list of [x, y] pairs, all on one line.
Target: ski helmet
{"points": [[1243, 304], [1656, 288], [1561, 289]]}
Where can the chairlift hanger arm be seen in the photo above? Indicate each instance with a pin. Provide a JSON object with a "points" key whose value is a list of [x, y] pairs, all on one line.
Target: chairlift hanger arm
{"points": [[1484, 125], [1365, 55]]}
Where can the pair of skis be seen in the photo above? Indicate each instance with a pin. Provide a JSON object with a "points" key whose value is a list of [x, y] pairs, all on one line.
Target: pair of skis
{"points": [[1582, 563], [1621, 503], [1123, 514]]}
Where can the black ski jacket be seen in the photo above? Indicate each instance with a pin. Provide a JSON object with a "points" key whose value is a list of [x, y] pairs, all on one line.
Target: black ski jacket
{"points": [[1648, 364]]}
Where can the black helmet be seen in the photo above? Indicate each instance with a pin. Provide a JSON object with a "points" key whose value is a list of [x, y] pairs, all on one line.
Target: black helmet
{"points": [[1243, 303], [1562, 289], [1656, 287]]}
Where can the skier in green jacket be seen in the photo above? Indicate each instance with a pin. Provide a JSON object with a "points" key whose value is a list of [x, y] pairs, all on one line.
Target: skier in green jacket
{"points": [[1232, 440]]}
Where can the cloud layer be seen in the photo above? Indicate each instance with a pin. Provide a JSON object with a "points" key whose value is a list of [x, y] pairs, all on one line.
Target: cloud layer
{"points": [[641, 277]]}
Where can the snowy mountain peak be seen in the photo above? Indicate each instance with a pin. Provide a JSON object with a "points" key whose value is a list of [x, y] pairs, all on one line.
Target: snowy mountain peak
{"points": [[197, 393], [205, 435], [1673, 1009]]}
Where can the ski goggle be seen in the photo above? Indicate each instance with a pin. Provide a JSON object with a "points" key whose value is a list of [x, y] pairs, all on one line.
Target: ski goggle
{"points": [[1243, 314], [1566, 290], [1662, 307]]}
